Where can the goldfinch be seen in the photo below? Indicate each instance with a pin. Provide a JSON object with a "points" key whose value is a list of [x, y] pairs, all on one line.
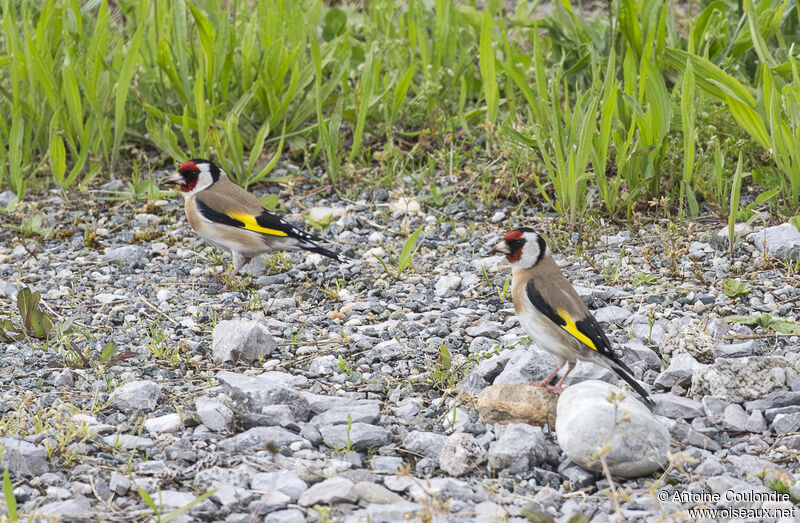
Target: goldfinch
{"points": [[551, 311], [229, 217]]}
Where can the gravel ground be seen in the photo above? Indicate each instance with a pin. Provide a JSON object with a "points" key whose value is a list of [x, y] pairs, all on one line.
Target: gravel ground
{"points": [[350, 410]]}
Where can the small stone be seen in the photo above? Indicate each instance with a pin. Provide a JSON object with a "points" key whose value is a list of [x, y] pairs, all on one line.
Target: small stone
{"points": [[259, 438], [585, 418], [322, 214], [107, 297], [490, 512], [781, 241], [461, 454], [679, 372], [136, 396], [519, 448], [22, 457], [486, 329], [611, 314], [215, 415], [358, 413], [445, 285], [498, 217], [736, 419], [119, 484], [329, 492], [357, 436], [174, 499], [291, 515], [241, 340], [373, 493], [391, 513], [386, 463], [736, 350], [714, 408], [428, 444], [671, 406], [637, 352], [6, 197], [548, 497], [741, 379], [125, 254], [324, 365], [786, 423], [520, 403], [774, 400], [79, 509], [128, 442], [283, 481], [273, 388], [64, 379], [166, 423], [523, 365]]}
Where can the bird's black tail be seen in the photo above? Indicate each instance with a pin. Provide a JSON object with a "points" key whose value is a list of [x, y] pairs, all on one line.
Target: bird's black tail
{"points": [[624, 372], [313, 247]]}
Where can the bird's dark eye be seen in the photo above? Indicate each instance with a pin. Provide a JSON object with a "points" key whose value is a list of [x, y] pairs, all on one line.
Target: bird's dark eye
{"points": [[516, 244]]}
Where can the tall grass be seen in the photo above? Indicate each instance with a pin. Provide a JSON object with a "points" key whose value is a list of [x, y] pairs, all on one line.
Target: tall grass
{"points": [[590, 108]]}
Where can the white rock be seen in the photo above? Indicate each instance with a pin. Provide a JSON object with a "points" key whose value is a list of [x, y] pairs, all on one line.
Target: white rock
{"points": [[128, 442], [498, 217], [319, 214], [782, 241], [446, 285], [742, 379], [739, 229], [213, 414], [324, 365], [611, 314], [334, 490], [283, 480], [166, 423], [136, 396], [241, 340], [405, 205], [584, 418], [106, 297], [461, 454], [23, 457], [519, 448]]}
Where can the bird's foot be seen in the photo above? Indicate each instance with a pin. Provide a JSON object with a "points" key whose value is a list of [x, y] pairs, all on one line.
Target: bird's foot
{"points": [[552, 388]]}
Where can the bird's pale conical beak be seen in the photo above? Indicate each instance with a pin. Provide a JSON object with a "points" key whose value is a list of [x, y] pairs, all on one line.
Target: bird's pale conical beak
{"points": [[501, 247], [175, 179]]}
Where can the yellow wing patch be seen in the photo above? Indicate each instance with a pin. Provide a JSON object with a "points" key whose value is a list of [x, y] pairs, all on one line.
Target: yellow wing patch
{"points": [[569, 326], [251, 224]]}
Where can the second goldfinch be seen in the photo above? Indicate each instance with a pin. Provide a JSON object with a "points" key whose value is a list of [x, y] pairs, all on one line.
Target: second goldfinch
{"points": [[230, 218], [551, 311]]}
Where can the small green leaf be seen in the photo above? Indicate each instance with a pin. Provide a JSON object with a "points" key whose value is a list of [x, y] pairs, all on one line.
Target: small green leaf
{"points": [[408, 251], [334, 24], [733, 288], [40, 325], [10, 499], [270, 201], [109, 351], [445, 359]]}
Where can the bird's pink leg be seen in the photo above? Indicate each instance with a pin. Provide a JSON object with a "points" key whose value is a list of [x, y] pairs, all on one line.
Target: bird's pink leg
{"points": [[545, 382], [239, 261], [559, 386]]}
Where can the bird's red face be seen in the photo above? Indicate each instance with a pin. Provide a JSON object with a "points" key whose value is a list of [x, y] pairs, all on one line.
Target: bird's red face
{"points": [[523, 247], [187, 177], [512, 245]]}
